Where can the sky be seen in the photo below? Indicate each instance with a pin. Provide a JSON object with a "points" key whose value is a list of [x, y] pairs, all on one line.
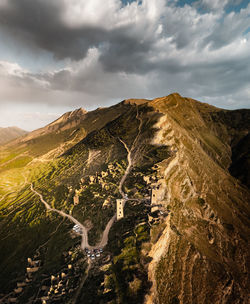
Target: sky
{"points": [[59, 55]]}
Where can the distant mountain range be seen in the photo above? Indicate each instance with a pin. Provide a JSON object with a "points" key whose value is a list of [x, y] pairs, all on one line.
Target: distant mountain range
{"points": [[10, 133], [157, 192]]}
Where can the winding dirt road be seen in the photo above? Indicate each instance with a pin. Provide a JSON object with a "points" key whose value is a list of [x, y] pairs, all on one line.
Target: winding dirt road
{"points": [[127, 170], [84, 231], [84, 234], [129, 158], [105, 235]]}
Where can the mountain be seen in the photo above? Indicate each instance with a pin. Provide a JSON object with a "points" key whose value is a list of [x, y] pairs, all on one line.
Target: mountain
{"points": [[10, 133], [146, 201]]}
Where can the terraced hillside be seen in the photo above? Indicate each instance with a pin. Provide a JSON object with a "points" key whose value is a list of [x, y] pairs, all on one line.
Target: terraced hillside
{"points": [[180, 168]]}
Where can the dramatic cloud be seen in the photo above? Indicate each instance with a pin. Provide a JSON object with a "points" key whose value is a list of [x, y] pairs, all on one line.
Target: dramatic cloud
{"points": [[105, 52]]}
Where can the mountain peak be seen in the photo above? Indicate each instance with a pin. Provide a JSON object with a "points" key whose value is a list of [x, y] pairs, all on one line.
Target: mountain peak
{"points": [[135, 101], [77, 112], [10, 133], [180, 166], [175, 94], [66, 121], [71, 116]]}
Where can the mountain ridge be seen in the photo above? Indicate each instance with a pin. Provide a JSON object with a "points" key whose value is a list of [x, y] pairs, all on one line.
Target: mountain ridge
{"points": [[187, 244]]}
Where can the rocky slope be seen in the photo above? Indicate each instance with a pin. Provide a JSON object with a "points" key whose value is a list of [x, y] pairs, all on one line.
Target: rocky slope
{"points": [[206, 253], [10, 133], [182, 169]]}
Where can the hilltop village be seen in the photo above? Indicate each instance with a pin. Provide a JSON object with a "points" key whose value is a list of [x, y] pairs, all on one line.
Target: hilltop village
{"points": [[141, 202], [148, 189]]}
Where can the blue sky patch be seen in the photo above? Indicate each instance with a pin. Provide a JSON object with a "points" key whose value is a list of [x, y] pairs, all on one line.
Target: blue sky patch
{"points": [[125, 2], [182, 3], [236, 8]]}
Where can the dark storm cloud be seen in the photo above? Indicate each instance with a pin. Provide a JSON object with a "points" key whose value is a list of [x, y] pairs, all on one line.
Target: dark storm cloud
{"points": [[123, 53], [117, 51], [39, 23]]}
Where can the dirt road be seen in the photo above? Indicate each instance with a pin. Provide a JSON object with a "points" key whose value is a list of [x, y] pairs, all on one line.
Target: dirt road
{"points": [[129, 158], [127, 169], [84, 234]]}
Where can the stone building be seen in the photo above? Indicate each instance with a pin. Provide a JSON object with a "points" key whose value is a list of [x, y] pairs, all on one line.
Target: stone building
{"points": [[119, 208], [76, 199]]}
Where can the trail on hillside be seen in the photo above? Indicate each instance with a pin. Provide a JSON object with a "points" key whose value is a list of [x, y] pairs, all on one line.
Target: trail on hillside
{"points": [[14, 158], [44, 244], [127, 169], [84, 233], [104, 240], [4, 196], [105, 234], [129, 158], [74, 300]]}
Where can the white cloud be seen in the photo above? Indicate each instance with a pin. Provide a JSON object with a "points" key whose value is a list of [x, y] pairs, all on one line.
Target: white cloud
{"points": [[77, 13], [11, 69], [144, 49]]}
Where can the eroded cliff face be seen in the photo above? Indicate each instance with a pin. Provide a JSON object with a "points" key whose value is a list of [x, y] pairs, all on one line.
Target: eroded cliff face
{"points": [[202, 254]]}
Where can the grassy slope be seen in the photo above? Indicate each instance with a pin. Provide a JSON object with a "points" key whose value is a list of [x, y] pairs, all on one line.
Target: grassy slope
{"points": [[25, 225]]}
